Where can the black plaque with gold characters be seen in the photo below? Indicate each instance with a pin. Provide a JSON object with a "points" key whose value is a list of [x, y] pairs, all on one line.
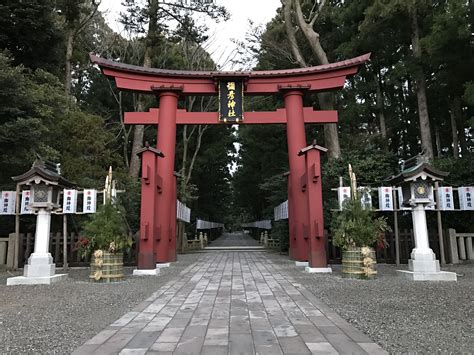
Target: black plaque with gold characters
{"points": [[231, 101]]}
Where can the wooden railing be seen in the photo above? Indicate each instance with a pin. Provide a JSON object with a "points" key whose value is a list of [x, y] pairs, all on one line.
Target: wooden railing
{"points": [[56, 249]]}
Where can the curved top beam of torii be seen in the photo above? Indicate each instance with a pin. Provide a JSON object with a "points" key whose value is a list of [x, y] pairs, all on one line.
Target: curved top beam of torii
{"points": [[266, 82]]}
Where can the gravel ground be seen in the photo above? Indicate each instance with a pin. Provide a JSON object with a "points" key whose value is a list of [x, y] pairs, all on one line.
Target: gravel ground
{"points": [[401, 315], [57, 319]]}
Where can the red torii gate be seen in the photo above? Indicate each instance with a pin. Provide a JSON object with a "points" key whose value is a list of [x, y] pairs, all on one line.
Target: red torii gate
{"points": [[158, 223]]}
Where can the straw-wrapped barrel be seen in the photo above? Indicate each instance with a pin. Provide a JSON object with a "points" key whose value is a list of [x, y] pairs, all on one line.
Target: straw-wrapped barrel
{"points": [[359, 263], [106, 267]]}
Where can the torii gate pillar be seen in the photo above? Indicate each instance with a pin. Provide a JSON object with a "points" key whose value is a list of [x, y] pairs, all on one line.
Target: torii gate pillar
{"points": [[166, 220], [296, 137], [311, 184], [148, 210]]}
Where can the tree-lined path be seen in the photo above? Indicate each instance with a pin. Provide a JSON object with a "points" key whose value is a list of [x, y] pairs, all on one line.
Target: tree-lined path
{"points": [[235, 239], [231, 303]]}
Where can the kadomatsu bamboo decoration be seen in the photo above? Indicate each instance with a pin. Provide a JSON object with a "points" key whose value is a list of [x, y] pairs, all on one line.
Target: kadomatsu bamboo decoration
{"points": [[356, 231]]}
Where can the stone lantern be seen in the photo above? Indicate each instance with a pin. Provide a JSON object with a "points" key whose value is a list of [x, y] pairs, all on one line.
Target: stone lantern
{"points": [[416, 180], [45, 182]]}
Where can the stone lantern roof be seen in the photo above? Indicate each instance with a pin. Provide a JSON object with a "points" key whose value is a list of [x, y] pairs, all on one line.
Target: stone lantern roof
{"points": [[43, 171], [415, 168]]}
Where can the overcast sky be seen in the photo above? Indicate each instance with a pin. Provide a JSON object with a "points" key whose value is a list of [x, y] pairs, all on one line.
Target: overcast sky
{"points": [[258, 11]]}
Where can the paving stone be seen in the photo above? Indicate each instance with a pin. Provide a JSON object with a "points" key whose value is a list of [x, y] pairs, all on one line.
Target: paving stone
{"points": [[135, 326], [115, 344], [169, 311], [214, 350], [133, 351], [157, 324], [178, 322], [293, 345], [101, 337], [159, 352], [260, 324], [332, 329], [285, 330], [239, 324], [143, 340], [86, 349], [184, 314], [373, 349], [273, 349], [241, 344], [264, 337], [189, 345], [217, 336], [159, 346], [321, 349], [144, 317], [154, 308], [310, 334], [194, 331], [344, 344], [219, 323], [199, 321], [170, 335], [140, 307], [321, 321], [125, 319]]}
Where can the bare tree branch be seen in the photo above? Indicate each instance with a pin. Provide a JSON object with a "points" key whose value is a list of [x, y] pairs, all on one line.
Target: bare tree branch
{"points": [[312, 21], [290, 32]]}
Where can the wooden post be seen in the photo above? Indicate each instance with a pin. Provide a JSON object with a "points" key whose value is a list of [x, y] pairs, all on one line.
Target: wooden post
{"points": [[16, 253], [65, 264], [440, 225], [57, 248], [395, 228], [453, 246]]}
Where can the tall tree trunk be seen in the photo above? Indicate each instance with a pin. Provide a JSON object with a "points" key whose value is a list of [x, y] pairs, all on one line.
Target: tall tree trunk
{"points": [[459, 119], [426, 142], [290, 32], [69, 50], [454, 132], [139, 130], [379, 105], [326, 100], [438, 142]]}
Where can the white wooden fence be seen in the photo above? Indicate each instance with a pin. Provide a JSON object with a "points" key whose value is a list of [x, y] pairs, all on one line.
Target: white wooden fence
{"points": [[200, 224], [265, 224], [281, 211]]}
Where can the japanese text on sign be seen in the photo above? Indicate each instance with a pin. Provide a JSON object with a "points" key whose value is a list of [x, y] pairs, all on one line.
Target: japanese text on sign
{"points": [[231, 101]]}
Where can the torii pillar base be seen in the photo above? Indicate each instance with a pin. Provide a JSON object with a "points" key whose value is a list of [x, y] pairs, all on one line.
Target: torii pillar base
{"points": [[146, 272], [318, 270]]}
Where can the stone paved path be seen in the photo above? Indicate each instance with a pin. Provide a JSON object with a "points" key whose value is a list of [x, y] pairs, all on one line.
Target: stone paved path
{"points": [[231, 303], [234, 239]]}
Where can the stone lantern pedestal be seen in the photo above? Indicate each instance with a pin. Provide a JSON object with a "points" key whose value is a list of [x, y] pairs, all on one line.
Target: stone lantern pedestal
{"points": [[40, 268], [45, 182], [416, 180]]}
